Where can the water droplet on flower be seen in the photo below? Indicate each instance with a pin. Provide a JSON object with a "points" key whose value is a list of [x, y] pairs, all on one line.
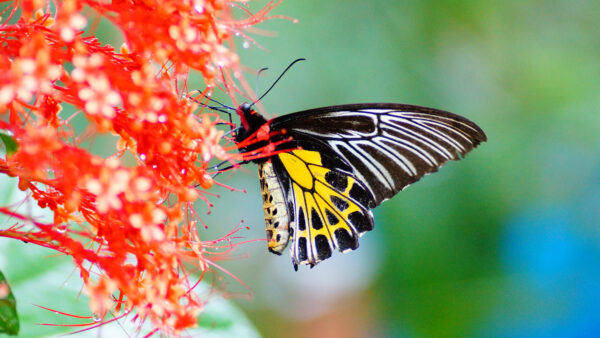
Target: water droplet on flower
{"points": [[199, 9], [154, 166], [162, 118], [142, 157], [182, 171], [246, 44], [96, 317], [61, 228]]}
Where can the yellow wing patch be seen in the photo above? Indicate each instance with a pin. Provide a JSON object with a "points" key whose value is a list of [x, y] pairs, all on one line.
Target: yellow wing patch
{"points": [[297, 161], [328, 205]]}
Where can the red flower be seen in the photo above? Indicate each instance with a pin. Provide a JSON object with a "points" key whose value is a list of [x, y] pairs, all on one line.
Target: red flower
{"points": [[129, 228]]}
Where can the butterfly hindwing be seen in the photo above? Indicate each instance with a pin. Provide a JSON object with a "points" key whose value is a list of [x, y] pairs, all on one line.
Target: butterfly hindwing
{"points": [[330, 205]]}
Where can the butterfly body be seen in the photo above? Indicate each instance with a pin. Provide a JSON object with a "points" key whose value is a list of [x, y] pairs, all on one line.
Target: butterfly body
{"points": [[340, 162], [277, 217]]}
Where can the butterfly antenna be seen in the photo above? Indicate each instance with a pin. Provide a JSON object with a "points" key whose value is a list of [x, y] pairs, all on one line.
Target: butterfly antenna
{"points": [[279, 78], [213, 100], [257, 76]]}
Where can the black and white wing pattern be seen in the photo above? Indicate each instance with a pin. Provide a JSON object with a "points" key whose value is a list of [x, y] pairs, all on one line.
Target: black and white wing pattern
{"points": [[385, 146]]}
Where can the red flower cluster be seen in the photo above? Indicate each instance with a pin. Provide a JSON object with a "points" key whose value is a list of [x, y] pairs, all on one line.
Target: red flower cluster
{"points": [[130, 229]]}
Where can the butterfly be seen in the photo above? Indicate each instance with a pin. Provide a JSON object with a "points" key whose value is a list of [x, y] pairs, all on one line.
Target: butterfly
{"points": [[333, 165]]}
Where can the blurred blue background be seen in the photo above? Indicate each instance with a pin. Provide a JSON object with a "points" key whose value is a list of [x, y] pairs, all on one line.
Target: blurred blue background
{"points": [[505, 242]]}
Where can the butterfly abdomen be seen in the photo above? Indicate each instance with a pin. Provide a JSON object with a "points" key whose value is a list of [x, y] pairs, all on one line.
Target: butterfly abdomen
{"points": [[277, 217]]}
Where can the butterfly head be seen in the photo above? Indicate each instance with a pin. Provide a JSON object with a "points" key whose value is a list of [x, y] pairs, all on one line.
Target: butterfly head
{"points": [[250, 119], [245, 110]]}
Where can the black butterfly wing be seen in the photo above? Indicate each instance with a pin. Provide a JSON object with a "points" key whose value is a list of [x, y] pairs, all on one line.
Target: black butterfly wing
{"points": [[384, 146]]}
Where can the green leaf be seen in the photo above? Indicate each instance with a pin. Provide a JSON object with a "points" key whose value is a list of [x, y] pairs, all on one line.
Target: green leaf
{"points": [[9, 142], [9, 320]]}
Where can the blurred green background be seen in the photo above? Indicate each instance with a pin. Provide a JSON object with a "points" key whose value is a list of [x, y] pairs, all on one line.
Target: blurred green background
{"points": [[503, 243]]}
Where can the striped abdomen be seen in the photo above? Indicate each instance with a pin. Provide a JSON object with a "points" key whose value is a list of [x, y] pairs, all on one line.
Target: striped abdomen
{"points": [[277, 218]]}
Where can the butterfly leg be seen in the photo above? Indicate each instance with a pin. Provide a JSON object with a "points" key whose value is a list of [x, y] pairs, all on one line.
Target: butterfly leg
{"points": [[221, 170]]}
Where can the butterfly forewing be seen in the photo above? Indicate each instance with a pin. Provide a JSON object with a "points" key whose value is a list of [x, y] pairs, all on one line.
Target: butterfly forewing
{"points": [[386, 146]]}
